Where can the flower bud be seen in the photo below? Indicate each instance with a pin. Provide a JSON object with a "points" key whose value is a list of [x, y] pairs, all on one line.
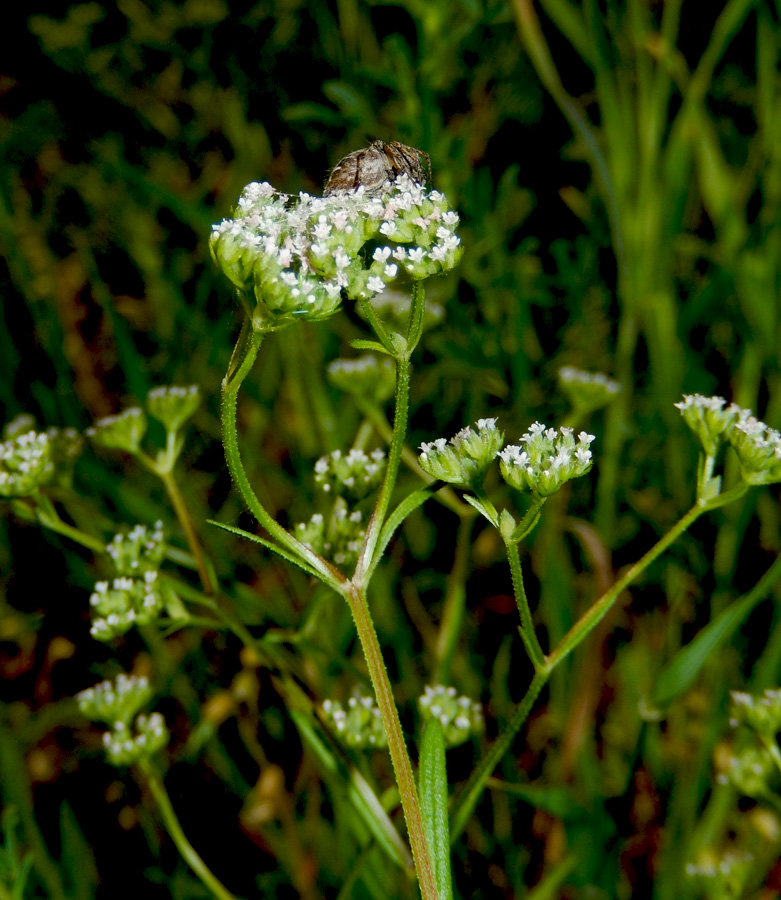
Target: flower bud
{"points": [[352, 475], [115, 701]]}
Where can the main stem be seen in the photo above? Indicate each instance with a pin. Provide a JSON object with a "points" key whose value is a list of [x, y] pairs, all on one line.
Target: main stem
{"points": [[398, 749]]}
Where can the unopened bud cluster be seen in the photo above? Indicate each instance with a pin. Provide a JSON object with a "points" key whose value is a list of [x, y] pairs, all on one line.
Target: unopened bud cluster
{"points": [[366, 377], [460, 717], [709, 418], [465, 458], [587, 391], [761, 713], [140, 550], [124, 431], [750, 771], [353, 475], [547, 459], [25, 464], [340, 540], [757, 445], [125, 746], [359, 725], [723, 875], [172, 405], [116, 703], [124, 602], [297, 255]]}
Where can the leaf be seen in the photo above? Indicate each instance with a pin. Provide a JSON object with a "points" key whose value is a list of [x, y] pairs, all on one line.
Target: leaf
{"points": [[407, 505], [374, 346], [432, 780], [680, 673], [273, 547]]}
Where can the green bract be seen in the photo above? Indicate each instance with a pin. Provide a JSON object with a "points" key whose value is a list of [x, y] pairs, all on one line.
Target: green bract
{"points": [[295, 255]]}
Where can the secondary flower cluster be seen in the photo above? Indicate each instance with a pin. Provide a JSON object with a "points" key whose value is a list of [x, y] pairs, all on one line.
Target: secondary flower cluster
{"points": [[352, 475], [761, 713], [366, 377], [359, 725], [25, 464], [587, 391], [758, 446], [547, 459], [460, 717], [339, 541], [170, 405], [136, 596], [464, 459], [115, 703], [297, 254]]}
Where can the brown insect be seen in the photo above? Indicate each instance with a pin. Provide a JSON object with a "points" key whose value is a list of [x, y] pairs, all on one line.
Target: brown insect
{"points": [[376, 164]]}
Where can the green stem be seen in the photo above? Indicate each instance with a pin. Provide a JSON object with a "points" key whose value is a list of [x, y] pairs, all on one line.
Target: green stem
{"points": [[398, 750], [364, 565], [476, 784], [185, 848], [185, 520], [528, 634], [48, 516], [230, 388]]}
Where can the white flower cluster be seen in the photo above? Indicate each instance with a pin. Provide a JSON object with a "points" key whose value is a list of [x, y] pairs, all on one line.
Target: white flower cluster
{"points": [[367, 377], [547, 459], [359, 725], [587, 391], [298, 254], [464, 459], [115, 701], [761, 713], [138, 551], [125, 431], [757, 445], [341, 542], [123, 748], [123, 604], [352, 475], [173, 405], [25, 464], [460, 717]]}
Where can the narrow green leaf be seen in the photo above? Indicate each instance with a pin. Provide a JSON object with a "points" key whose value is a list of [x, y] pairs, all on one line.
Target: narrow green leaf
{"points": [[407, 505], [359, 793], [273, 547], [432, 779], [681, 672], [374, 346]]}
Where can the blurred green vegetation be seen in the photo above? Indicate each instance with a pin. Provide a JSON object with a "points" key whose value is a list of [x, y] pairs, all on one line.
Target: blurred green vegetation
{"points": [[617, 168]]}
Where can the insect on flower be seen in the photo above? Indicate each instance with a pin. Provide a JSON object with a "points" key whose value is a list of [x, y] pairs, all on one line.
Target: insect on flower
{"points": [[376, 164]]}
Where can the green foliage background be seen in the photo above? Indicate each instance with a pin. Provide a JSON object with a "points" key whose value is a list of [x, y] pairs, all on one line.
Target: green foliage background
{"points": [[617, 168]]}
